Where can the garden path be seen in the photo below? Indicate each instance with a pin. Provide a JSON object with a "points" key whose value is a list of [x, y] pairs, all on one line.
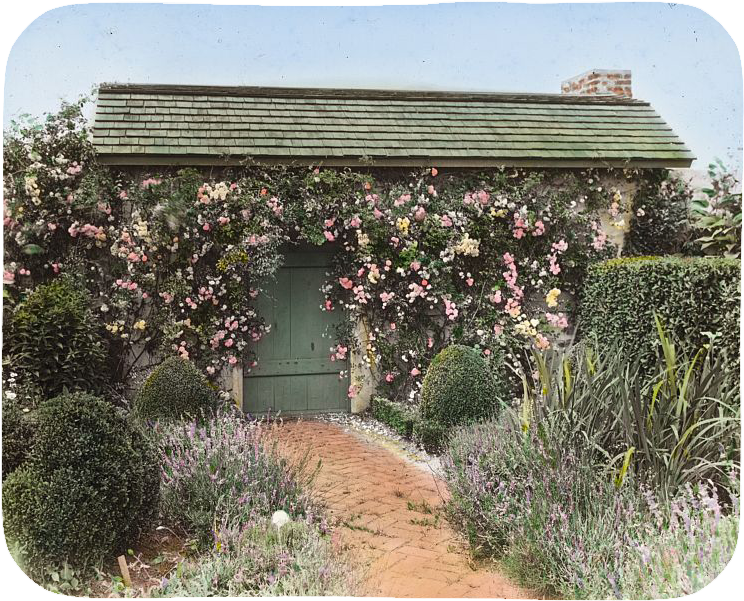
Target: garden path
{"points": [[387, 513]]}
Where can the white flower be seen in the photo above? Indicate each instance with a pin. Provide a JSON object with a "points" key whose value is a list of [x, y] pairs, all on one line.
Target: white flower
{"points": [[279, 518]]}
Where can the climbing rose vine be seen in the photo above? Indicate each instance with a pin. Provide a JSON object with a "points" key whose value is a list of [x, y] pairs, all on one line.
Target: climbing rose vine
{"points": [[175, 259]]}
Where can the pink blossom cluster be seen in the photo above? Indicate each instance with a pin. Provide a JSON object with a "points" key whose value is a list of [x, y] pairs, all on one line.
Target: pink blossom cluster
{"points": [[558, 320], [126, 285], [450, 309], [339, 352]]}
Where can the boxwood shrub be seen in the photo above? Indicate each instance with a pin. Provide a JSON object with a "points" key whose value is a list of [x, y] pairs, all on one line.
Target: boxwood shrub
{"points": [[459, 387], [176, 389], [692, 296], [89, 486], [398, 416], [53, 339]]}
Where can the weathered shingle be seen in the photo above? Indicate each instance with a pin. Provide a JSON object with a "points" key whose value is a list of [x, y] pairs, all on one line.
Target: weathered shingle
{"points": [[147, 124]]}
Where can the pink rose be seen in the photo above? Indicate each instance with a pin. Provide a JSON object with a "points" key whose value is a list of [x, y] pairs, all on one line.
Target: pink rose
{"points": [[206, 227], [415, 372]]}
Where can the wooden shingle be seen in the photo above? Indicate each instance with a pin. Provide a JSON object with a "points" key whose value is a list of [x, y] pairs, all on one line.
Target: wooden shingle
{"points": [[198, 125]]}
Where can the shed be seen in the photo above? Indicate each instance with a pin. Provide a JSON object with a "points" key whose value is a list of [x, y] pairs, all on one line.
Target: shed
{"points": [[596, 124]]}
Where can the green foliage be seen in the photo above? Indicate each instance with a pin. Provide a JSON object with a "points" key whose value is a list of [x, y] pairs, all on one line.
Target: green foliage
{"points": [[459, 387], [89, 487], [18, 436], [695, 298], [398, 416], [717, 215], [660, 219], [176, 389], [53, 339], [430, 435]]}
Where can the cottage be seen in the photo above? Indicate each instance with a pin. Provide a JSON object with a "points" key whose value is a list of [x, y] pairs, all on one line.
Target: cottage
{"points": [[594, 123]]}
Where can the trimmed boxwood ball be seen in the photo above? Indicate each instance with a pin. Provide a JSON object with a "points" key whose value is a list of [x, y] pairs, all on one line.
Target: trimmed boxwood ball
{"points": [[89, 487], [459, 387], [176, 389]]}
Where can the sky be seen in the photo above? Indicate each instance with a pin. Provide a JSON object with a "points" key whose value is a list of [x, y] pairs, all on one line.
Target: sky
{"points": [[682, 60]]}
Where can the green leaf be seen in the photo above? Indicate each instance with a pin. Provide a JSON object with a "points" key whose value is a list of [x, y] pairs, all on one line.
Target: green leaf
{"points": [[32, 249]]}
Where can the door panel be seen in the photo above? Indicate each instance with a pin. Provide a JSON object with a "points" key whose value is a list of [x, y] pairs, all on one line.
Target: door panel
{"points": [[294, 374]]}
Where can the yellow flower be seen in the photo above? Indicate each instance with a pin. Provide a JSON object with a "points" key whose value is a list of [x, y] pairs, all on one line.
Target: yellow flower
{"points": [[140, 325], [552, 297], [403, 224]]}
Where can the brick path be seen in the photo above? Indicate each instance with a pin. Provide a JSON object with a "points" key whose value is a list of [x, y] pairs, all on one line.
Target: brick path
{"points": [[387, 512]]}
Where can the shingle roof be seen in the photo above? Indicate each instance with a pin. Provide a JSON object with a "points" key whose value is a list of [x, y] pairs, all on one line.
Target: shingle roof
{"points": [[158, 124]]}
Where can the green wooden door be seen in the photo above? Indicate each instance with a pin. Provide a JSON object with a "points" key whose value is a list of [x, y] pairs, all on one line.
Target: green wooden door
{"points": [[295, 374]]}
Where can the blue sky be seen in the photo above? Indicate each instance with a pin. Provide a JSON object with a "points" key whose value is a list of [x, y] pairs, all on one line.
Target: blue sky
{"points": [[682, 60]]}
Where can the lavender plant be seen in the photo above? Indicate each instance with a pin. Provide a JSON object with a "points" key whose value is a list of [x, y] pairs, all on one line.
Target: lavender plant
{"points": [[535, 499], [227, 467], [257, 559]]}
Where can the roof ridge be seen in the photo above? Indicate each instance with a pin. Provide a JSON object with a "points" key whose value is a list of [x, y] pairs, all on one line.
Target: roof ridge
{"points": [[363, 93]]}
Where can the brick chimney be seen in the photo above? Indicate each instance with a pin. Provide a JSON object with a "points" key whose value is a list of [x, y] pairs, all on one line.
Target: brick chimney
{"points": [[599, 82]]}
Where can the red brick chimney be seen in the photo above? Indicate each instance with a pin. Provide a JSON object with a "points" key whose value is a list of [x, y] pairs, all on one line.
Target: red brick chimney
{"points": [[599, 82]]}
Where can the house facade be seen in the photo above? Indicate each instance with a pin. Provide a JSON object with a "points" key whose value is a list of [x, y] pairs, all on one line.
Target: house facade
{"points": [[595, 123]]}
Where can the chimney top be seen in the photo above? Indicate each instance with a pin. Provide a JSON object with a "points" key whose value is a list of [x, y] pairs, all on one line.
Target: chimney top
{"points": [[599, 82]]}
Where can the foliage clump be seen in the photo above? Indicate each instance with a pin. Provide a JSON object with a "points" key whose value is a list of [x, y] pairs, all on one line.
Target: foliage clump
{"points": [[176, 389], [459, 387], [717, 214], [53, 339], [88, 488], [660, 218]]}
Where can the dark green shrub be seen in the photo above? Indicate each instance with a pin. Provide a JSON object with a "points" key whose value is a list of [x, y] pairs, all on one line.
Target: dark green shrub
{"points": [[430, 435], [175, 389], [459, 387], [693, 297], [398, 416], [18, 436], [660, 221], [89, 486], [53, 339]]}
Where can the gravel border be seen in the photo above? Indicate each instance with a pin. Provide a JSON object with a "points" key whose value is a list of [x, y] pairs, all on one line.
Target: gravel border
{"points": [[368, 428]]}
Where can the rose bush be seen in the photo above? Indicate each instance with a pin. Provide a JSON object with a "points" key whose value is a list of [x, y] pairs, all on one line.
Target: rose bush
{"points": [[174, 260]]}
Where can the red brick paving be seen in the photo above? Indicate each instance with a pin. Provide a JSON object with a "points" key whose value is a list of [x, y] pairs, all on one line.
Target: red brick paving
{"points": [[403, 552]]}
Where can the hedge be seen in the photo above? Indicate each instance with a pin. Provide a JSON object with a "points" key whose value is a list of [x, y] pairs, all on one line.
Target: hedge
{"points": [[398, 416], [694, 297]]}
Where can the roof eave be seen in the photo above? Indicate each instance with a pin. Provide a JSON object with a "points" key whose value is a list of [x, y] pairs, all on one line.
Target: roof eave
{"points": [[153, 160]]}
